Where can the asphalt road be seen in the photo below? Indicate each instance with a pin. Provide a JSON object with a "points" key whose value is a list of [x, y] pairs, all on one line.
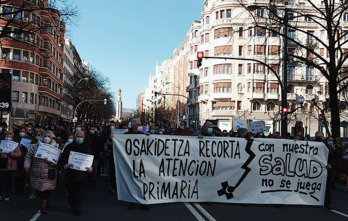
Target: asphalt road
{"points": [[99, 204]]}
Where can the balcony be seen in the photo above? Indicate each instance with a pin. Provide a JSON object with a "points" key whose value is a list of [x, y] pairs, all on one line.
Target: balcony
{"points": [[259, 77], [222, 95], [258, 96], [217, 77], [272, 77], [48, 110], [222, 113], [291, 96], [309, 97], [270, 96], [203, 97]]}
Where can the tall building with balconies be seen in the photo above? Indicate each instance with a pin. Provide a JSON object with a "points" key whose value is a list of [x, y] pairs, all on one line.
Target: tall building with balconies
{"points": [[32, 52]]}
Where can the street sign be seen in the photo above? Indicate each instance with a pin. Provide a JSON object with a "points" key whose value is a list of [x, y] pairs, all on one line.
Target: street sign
{"points": [[5, 92]]}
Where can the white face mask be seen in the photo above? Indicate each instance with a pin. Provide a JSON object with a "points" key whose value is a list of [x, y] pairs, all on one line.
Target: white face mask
{"points": [[46, 139], [140, 128], [22, 134], [70, 140], [78, 128]]}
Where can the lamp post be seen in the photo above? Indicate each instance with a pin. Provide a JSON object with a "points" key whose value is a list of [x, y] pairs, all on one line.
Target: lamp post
{"points": [[82, 79], [275, 122], [309, 121], [285, 74]]}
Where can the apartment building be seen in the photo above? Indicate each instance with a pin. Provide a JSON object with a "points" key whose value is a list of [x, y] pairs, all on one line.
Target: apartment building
{"points": [[246, 85], [33, 53]]}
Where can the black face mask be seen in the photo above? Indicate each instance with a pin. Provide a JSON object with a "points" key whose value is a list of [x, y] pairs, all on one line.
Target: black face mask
{"points": [[318, 139]]}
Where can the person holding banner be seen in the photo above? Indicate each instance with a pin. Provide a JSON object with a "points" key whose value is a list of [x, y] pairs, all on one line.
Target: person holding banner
{"points": [[8, 164], [183, 130], [207, 130], [43, 173], [75, 179]]}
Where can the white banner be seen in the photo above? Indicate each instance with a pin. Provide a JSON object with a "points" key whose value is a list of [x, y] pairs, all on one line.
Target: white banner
{"points": [[239, 123], [158, 169], [8, 146], [51, 153], [80, 161]]}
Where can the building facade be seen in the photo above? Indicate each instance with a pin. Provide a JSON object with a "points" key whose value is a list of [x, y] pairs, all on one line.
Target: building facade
{"points": [[241, 86], [33, 53]]}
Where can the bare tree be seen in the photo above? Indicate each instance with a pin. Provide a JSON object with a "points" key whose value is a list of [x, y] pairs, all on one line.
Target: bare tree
{"points": [[321, 46]]}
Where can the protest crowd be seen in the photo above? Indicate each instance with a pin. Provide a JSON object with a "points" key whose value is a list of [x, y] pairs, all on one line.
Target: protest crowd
{"points": [[21, 167]]}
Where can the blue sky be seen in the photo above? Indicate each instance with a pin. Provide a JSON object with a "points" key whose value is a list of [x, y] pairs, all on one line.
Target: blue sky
{"points": [[123, 39]]}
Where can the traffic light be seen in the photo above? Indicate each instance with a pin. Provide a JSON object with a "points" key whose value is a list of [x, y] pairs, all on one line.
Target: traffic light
{"points": [[285, 110], [155, 94], [200, 56]]}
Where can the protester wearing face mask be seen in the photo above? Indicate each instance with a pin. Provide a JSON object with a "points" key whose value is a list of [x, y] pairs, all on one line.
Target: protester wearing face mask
{"points": [[136, 129], [69, 141], [43, 173], [75, 179], [97, 149], [207, 130], [8, 164], [20, 172], [183, 130]]}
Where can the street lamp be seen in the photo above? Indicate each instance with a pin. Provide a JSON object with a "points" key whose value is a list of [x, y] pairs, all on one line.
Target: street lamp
{"points": [[82, 79], [309, 121], [275, 122]]}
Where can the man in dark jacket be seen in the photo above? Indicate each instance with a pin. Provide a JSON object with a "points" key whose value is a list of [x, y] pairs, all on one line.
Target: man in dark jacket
{"points": [[97, 149], [183, 130], [75, 179]]}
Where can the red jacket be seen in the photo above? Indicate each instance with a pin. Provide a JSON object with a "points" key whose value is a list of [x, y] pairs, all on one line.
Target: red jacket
{"points": [[184, 132], [12, 159]]}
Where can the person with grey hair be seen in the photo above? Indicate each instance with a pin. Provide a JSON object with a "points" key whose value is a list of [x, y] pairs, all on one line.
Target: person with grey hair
{"points": [[75, 179], [43, 173], [206, 130]]}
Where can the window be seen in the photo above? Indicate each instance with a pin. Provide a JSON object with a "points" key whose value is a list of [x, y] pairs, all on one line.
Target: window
{"points": [[240, 50], [223, 87], [24, 76], [291, 72], [307, 18], [259, 87], [249, 68], [256, 106], [240, 68], [345, 17], [260, 31], [6, 53], [223, 32], [260, 49], [309, 89], [259, 12], [229, 13], [7, 11], [309, 73], [273, 50], [25, 97], [291, 34], [250, 31], [270, 106], [240, 31], [273, 88], [31, 98], [310, 37], [25, 56], [15, 96], [222, 14], [16, 55], [32, 77], [208, 20], [259, 68], [15, 75]]}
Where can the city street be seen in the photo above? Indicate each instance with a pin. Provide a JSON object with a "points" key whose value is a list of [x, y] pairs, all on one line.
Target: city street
{"points": [[98, 203]]}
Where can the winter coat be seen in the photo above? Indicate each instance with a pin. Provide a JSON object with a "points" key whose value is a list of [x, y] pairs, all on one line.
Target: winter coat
{"points": [[96, 145], [11, 159], [184, 132], [39, 179], [70, 174]]}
